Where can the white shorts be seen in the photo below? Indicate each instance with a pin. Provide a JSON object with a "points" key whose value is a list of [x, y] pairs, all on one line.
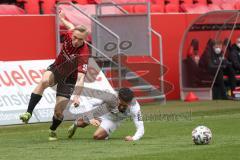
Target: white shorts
{"points": [[109, 126]]}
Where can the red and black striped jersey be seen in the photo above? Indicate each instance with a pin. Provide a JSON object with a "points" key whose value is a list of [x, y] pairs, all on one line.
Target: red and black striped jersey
{"points": [[72, 60]]}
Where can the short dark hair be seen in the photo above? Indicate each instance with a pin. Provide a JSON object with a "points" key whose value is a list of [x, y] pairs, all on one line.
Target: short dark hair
{"points": [[217, 42], [126, 94]]}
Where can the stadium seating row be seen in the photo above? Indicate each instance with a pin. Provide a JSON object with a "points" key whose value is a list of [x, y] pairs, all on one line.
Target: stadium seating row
{"points": [[158, 6], [11, 10]]}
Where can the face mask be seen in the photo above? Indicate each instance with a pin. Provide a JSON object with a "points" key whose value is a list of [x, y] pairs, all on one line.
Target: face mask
{"points": [[196, 59], [238, 45], [217, 50]]}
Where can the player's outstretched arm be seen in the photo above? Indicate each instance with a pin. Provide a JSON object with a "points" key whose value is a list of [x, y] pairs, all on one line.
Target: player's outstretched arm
{"points": [[139, 132], [78, 89], [65, 22], [137, 119]]}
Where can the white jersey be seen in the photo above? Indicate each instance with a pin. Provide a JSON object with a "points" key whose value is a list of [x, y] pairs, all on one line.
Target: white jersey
{"points": [[114, 115], [132, 111]]}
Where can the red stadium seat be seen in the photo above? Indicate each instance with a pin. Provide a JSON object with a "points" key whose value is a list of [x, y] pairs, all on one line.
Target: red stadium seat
{"points": [[110, 10], [155, 1], [48, 6], [154, 8], [200, 9], [202, 2], [195, 8], [214, 7], [158, 2], [129, 8], [157, 8], [225, 2], [32, 6], [186, 2], [172, 8], [172, 1], [82, 1], [228, 6], [57, 1], [236, 6], [140, 9], [184, 7], [217, 1], [76, 1], [93, 1], [10, 10], [128, 1]]}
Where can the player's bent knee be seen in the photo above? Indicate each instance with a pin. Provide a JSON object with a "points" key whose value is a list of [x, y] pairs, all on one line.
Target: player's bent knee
{"points": [[58, 114]]}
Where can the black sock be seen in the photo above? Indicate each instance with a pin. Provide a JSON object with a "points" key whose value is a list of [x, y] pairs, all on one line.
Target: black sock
{"points": [[35, 98], [55, 123]]}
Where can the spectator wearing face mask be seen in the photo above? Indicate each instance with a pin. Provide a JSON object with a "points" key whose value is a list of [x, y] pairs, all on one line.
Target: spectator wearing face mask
{"points": [[234, 55], [210, 60]]}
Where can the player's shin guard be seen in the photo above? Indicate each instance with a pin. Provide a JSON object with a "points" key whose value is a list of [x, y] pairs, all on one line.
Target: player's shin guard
{"points": [[55, 123], [35, 98]]}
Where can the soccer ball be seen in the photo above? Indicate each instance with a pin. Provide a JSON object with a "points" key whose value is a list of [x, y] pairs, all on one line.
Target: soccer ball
{"points": [[201, 135]]}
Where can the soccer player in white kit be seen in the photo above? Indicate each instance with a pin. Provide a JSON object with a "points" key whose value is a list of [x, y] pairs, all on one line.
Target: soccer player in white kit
{"points": [[120, 107]]}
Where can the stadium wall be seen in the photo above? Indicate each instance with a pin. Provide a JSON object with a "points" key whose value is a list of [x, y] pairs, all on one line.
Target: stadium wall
{"points": [[172, 28], [27, 37], [34, 38]]}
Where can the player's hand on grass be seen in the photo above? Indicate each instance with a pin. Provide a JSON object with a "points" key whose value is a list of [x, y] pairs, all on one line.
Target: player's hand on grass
{"points": [[76, 101], [128, 138], [95, 122]]}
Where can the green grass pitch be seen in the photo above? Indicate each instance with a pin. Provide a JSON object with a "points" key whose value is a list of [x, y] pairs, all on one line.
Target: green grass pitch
{"points": [[167, 136]]}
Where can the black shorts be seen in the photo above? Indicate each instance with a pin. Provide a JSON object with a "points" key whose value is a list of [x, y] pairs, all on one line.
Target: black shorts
{"points": [[65, 85]]}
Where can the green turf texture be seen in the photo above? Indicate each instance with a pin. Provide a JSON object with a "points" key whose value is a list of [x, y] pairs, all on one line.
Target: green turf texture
{"points": [[167, 136]]}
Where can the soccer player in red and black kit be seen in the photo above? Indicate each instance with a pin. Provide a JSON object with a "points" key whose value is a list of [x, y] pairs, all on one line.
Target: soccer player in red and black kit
{"points": [[68, 72]]}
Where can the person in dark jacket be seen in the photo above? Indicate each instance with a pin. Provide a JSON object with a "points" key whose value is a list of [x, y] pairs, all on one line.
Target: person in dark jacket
{"points": [[193, 75], [210, 61], [234, 55]]}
